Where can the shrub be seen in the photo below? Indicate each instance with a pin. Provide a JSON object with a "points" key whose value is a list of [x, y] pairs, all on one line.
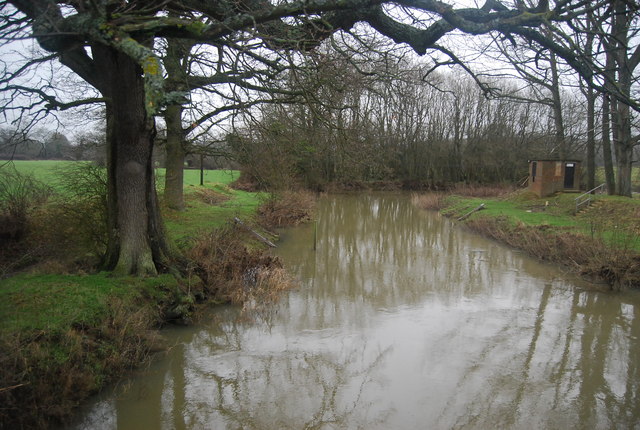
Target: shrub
{"points": [[20, 194], [585, 255], [429, 201], [72, 229], [288, 208], [67, 233], [235, 273]]}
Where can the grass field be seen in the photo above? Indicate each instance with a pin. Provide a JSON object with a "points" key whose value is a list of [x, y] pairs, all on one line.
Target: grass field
{"points": [[198, 216], [48, 172]]}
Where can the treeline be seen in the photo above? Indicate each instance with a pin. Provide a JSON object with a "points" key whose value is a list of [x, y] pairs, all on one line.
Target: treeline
{"points": [[388, 122], [51, 145], [43, 144]]}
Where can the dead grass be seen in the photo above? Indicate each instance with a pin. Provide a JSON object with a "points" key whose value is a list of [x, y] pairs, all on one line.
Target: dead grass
{"points": [[234, 273], [211, 197], [429, 201], [48, 374], [287, 208], [584, 255], [247, 182], [436, 200], [471, 190]]}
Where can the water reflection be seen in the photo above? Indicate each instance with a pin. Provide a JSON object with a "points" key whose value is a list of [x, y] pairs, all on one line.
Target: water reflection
{"points": [[402, 321]]}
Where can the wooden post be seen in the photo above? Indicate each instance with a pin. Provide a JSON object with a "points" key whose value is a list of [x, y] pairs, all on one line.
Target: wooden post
{"points": [[201, 169], [315, 234]]}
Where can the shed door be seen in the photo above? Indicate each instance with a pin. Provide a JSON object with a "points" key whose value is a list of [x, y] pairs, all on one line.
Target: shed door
{"points": [[569, 172], [534, 170]]}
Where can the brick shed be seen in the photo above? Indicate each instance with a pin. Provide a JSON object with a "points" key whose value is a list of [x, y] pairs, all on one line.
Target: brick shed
{"points": [[547, 177]]}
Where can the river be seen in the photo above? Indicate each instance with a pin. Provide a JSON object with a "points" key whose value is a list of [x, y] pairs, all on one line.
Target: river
{"points": [[403, 320]]}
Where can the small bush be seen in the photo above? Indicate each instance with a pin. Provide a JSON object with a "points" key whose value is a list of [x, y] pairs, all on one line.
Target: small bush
{"points": [[429, 201], [67, 233], [70, 233], [235, 273], [20, 195], [288, 208]]}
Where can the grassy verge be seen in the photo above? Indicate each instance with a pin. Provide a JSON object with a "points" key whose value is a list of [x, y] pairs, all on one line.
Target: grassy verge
{"points": [[601, 242], [64, 336]]}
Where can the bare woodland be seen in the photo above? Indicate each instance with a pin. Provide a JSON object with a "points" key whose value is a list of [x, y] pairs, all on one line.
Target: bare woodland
{"points": [[420, 91]]}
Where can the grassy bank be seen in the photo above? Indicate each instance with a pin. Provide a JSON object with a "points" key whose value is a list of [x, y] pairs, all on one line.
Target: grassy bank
{"points": [[601, 242], [66, 332]]}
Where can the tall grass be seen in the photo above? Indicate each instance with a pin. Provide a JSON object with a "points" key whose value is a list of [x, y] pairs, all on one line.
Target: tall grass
{"points": [[287, 208], [433, 201], [236, 273]]}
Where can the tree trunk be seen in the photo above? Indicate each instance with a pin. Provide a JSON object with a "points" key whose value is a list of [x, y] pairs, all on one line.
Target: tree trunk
{"points": [[176, 64], [591, 139], [137, 243], [557, 108], [623, 140], [591, 110], [606, 146], [624, 149], [173, 184], [620, 112]]}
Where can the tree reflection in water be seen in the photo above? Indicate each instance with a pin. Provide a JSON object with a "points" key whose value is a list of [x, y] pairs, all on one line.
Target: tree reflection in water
{"points": [[402, 321]]}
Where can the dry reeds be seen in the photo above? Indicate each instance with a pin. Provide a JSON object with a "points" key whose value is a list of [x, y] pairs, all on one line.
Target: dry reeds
{"points": [[429, 201], [288, 208], [475, 190], [234, 273]]}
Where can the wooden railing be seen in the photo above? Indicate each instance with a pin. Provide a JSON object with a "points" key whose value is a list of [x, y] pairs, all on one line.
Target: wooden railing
{"points": [[585, 198]]}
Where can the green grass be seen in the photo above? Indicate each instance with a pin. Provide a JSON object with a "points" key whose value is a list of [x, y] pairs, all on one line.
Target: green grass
{"points": [[199, 217], [615, 219], [192, 177], [45, 171], [196, 218], [54, 303], [513, 211]]}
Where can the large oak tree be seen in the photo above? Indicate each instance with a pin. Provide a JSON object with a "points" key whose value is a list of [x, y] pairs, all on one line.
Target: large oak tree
{"points": [[110, 44]]}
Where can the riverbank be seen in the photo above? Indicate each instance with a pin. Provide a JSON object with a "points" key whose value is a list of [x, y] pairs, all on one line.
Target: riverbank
{"points": [[65, 332], [600, 242]]}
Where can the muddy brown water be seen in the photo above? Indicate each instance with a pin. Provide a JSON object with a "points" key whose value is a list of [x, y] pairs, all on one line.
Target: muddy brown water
{"points": [[403, 320]]}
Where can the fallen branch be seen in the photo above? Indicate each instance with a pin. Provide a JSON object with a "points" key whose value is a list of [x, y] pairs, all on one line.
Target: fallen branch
{"points": [[12, 387], [465, 216], [255, 233]]}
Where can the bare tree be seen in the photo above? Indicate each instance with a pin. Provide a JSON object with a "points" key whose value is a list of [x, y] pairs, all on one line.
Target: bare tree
{"points": [[110, 44]]}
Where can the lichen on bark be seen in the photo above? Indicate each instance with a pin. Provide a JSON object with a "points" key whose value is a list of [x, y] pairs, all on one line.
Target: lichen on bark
{"points": [[151, 69]]}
